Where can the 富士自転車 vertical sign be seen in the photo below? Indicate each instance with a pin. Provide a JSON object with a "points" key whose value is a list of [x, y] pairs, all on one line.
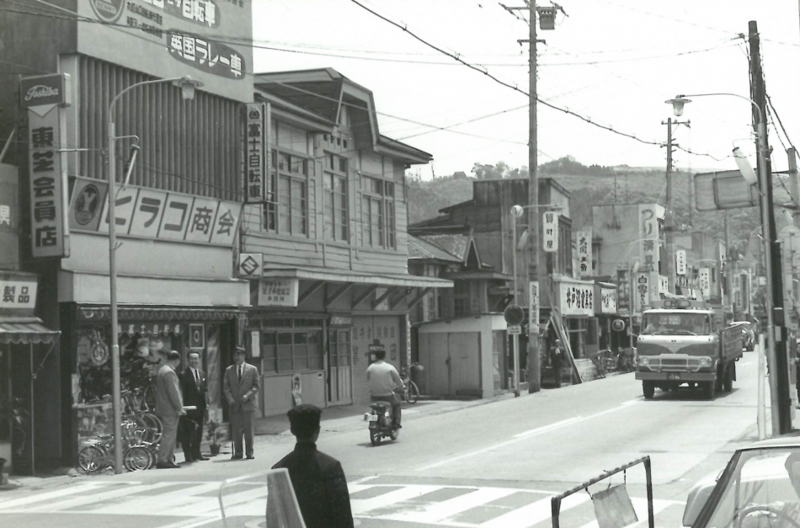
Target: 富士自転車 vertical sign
{"points": [[257, 166], [45, 96]]}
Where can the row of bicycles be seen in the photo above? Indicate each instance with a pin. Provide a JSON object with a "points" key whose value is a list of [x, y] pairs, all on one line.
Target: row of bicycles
{"points": [[141, 432], [607, 361]]}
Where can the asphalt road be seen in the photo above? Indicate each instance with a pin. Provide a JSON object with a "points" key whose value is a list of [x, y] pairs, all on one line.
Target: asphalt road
{"points": [[493, 465]]}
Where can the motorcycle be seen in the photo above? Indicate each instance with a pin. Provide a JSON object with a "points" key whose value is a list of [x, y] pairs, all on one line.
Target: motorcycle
{"points": [[380, 422]]}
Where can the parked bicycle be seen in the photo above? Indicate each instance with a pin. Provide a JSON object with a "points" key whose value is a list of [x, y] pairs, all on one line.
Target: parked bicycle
{"points": [[411, 393]]}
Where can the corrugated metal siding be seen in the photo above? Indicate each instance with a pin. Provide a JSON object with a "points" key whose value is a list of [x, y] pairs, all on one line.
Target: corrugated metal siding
{"points": [[186, 146]]}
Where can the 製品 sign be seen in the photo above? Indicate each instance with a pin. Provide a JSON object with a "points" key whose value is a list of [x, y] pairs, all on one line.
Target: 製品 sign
{"points": [[576, 298], [17, 294], [152, 213], [278, 292], [550, 232]]}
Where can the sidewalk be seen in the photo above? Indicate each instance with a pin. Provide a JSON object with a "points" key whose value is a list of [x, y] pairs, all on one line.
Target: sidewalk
{"points": [[351, 417]]}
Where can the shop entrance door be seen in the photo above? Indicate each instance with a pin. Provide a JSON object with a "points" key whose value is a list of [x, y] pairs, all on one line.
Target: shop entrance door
{"points": [[340, 387]]}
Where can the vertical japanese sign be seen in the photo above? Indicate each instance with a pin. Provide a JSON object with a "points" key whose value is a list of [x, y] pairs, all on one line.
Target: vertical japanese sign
{"points": [[663, 284], [680, 262], [44, 96], [623, 292], [705, 282], [642, 294], [533, 308], [584, 237], [550, 232], [648, 236], [256, 167]]}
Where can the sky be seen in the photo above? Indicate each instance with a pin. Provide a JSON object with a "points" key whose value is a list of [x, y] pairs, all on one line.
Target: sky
{"points": [[614, 62]]}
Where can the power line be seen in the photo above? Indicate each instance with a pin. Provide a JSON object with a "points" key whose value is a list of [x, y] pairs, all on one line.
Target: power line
{"points": [[517, 89]]}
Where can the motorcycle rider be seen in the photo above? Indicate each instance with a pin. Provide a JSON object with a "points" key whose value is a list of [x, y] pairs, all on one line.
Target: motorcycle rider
{"points": [[383, 381]]}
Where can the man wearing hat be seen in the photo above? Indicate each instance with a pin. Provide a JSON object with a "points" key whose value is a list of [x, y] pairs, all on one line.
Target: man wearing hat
{"points": [[240, 385], [318, 480]]}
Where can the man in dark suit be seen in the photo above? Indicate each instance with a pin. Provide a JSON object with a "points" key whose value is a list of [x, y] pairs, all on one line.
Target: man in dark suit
{"points": [[240, 385], [318, 480], [169, 408], [193, 384]]}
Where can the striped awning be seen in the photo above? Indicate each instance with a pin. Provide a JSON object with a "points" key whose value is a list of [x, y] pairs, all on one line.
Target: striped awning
{"points": [[25, 330]]}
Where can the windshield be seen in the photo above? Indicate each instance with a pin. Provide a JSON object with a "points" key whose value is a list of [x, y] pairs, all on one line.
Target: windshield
{"points": [[676, 323], [761, 491]]}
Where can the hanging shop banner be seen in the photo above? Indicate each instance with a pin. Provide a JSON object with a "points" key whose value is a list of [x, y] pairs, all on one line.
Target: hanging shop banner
{"points": [[623, 292], [278, 292], [576, 298], [642, 293], [663, 284], [584, 238], [705, 282], [550, 232], [608, 299], [648, 236], [17, 293], [170, 38], [49, 228], [251, 265], [154, 214], [256, 152], [533, 308], [680, 262]]}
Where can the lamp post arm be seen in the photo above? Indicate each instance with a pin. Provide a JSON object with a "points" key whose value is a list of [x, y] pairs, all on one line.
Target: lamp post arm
{"points": [[729, 94], [125, 90]]}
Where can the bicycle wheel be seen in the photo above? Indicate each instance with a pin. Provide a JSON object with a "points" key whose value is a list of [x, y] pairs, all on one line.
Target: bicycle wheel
{"points": [[137, 458], [149, 398], [152, 426], [156, 427], [90, 458], [413, 392]]}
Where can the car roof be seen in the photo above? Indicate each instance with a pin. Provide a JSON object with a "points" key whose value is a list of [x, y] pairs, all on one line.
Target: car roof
{"points": [[792, 440], [676, 310]]}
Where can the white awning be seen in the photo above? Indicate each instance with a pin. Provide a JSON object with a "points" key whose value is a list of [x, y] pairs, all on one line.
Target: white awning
{"points": [[408, 281]]}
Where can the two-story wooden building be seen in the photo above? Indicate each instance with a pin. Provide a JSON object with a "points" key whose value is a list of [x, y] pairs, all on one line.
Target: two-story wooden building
{"points": [[331, 282]]}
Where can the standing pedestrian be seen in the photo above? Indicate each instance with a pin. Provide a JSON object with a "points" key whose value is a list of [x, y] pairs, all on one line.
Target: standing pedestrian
{"points": [[318, 480], [169, 408], [240, 385], [557, 361], [193, 384]]}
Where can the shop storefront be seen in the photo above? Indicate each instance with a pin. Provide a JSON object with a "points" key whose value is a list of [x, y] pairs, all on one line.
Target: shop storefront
{"points": [[28, 362], [576, 300], [146, 334]]}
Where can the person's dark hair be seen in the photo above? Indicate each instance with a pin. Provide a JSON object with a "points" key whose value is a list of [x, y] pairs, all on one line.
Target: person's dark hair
{"points": [[172, 355], [240, 350], [304, 420], [380, 354], [193, 353]]}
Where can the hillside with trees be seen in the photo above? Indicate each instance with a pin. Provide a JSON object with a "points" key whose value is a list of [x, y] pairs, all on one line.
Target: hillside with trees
{"points": [[588, 185]]}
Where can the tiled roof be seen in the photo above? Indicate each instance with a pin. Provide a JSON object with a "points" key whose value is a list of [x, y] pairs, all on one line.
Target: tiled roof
{"points": [[419, 248]]}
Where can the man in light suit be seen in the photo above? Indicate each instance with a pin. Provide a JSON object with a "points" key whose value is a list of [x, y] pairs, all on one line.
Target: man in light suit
{"points": [[240, 385], [169, 408], [193, 386]]}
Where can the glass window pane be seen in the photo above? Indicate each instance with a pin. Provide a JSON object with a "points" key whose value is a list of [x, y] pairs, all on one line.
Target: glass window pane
{"points": [[342, 164], [284, 161], [285, 365], [284, 338], [389, 190], [268, 365], [300, 338]]}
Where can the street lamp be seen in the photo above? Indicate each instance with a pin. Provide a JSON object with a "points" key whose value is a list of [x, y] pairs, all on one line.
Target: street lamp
{"points": [[516, 212], [187, 86], [761, 135]]}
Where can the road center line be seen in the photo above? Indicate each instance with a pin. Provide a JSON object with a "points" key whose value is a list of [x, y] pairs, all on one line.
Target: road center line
{"points": [[525, 435]]}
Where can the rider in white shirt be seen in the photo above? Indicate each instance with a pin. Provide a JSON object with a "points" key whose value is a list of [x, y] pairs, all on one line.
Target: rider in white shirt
{"points": [[383, 381]]}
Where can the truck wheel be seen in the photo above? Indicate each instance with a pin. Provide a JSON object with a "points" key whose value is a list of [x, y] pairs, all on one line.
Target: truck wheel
{"points": [[648, 389], [727, 381], [709, 389]]}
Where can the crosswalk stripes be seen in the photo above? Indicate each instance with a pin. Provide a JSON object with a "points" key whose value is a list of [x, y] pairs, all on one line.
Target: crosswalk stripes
{"points": [[432, 504]]}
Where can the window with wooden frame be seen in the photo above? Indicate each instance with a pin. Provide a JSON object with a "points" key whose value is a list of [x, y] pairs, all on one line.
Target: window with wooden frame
{"points": [[295, 346], [378, 213], [334, 183], [286, 210]]}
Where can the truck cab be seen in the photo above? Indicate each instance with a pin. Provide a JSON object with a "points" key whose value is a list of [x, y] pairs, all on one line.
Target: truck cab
{"points": [[682, 342]]}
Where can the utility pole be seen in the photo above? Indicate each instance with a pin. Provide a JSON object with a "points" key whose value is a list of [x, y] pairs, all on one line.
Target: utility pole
{"points": [[727, 263], [534, 364], [781, 399], [794, 184], [669, 217]]}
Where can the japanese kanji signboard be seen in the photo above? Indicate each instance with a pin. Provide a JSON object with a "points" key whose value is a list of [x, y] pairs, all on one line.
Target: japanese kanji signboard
{"points": [[550, 232], [623, 292], [584, 239], [256, 166], [152, 213], [641, 297], [49, 230], [576, 297], [278, 292], [164, 37], [704, 278], [648, 236], [608, 299], [17, 294], [533, 308], [680, 262]]}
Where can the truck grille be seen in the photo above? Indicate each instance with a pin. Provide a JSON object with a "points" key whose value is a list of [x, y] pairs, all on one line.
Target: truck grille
{"points": [[673, 363]]}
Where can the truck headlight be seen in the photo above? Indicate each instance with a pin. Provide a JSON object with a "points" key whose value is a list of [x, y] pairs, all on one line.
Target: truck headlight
{"points": [[705, 361], [644, 361]]}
